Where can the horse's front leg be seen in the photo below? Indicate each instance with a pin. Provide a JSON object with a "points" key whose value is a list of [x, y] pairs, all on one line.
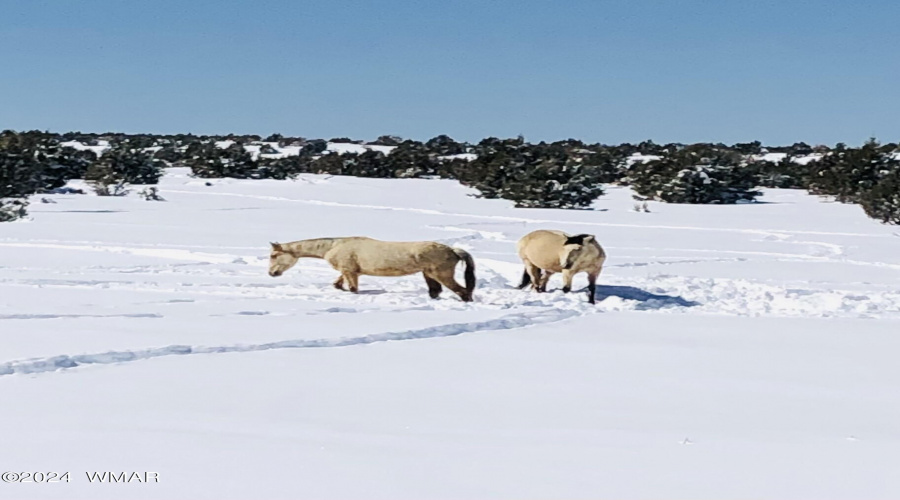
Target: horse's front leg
{"points": [[339, 283], [567, 275], [592, 285]]}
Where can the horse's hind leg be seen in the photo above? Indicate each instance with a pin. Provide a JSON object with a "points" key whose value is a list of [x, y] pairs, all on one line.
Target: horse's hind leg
{"points": [[542, 284], [446, 278], [534, 272], [352, 282], [434, 287]]}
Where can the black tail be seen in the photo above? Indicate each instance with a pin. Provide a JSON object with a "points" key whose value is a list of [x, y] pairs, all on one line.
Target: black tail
{"points": [[526, 280], [470, 269]]}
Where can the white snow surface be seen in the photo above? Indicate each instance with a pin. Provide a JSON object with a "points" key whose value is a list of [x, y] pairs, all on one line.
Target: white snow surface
{"points": [[640, 158], [778, 157], [254, 148], [98, 149], [744, 351]]}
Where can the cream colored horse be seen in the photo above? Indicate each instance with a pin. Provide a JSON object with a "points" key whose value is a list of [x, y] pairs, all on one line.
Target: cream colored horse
{"points": [[555, 251], [355, 256]]}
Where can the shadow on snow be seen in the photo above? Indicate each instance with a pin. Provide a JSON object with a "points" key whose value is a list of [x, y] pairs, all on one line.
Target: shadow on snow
{"points": [[647, 299]]}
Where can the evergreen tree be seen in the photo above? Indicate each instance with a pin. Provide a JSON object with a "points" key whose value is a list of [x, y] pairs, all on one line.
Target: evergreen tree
{"points": [[314, 147], [331, 163], [209, 161], [370, 164], [282, 168], [388, 140], [17, 179], [443, 145], [748, 148], [847, 173], [701, 173], [882, 202], [785, 174], [122, 165], [411, 159], [542, 175], [131, 165], [606, 166]]}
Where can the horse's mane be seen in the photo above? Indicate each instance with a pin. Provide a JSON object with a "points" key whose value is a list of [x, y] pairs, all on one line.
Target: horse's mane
{"points": [[578, 239]]}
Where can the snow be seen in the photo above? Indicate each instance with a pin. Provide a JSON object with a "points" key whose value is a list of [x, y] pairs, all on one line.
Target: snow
{"points": [[778, 157], [772, 157], [733, 351], [285, 151], [98, 149], [640, 158], [460, 156], [346, 147]]}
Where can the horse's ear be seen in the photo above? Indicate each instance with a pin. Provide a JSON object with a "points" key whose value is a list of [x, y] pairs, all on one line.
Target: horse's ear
{"points": [[276, 246]]}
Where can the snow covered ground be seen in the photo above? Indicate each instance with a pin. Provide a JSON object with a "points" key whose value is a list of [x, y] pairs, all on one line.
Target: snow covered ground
{"points": [[744, 351]]}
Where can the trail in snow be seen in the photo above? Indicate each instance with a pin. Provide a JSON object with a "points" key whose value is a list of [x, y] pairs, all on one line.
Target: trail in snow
{"points": [[62, 362], [164, 253], [665, 293], [427, 211]]}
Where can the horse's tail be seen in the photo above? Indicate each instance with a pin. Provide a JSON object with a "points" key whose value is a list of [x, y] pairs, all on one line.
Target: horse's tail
{"points": [[470, 268], [526, 279]]}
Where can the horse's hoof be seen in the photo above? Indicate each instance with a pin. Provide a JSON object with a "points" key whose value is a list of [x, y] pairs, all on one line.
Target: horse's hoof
{"points": [[567, 289]]}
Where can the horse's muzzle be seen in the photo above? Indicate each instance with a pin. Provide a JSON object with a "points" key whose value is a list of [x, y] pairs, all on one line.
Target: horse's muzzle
{"points": [[274, 274]]}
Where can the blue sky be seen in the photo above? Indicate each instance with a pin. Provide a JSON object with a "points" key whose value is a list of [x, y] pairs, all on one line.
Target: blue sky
{"points": [[687, 71]]}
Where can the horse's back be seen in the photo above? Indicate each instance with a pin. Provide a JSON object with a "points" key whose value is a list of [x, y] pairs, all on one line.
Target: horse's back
{"points": [[393, 258], [542, 248]]}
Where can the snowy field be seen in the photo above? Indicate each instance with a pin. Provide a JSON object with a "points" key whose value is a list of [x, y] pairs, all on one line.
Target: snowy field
{"points": [[746, 351]]}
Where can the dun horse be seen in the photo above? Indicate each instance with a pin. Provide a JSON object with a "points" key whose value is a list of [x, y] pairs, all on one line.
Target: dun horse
{"points": [[355, 256], [554, 252]]}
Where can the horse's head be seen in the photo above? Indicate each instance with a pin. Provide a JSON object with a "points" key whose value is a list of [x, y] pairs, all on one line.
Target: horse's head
{"points": [[578, 249], [280, 260]]}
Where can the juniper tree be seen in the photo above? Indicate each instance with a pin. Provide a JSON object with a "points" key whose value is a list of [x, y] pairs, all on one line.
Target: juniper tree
{"points": [[882, 202], [698, 174], [847, 173]]}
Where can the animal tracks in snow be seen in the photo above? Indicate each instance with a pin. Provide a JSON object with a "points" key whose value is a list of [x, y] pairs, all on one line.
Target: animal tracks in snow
{"points": [[62, 362]]}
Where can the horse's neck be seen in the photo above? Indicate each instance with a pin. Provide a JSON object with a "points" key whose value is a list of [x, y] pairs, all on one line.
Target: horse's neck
{"points": [[312, 248]]}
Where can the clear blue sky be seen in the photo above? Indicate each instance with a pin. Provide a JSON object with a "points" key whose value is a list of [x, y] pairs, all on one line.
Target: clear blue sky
{"points": [[687, 71]]}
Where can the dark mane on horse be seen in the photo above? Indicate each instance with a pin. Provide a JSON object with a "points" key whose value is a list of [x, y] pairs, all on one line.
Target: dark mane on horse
{"points": [[578, 239]]}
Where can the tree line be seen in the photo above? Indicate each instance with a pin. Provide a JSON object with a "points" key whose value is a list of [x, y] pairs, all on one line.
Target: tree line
{"points": [[564, 174]]}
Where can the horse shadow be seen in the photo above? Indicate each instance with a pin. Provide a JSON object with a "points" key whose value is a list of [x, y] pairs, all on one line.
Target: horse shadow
{"points": [[647, 300]]}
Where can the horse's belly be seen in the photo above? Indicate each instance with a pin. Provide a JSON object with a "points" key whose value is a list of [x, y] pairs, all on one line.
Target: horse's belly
{"points": [[391, 265], [386, 272], [545, 262]]}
